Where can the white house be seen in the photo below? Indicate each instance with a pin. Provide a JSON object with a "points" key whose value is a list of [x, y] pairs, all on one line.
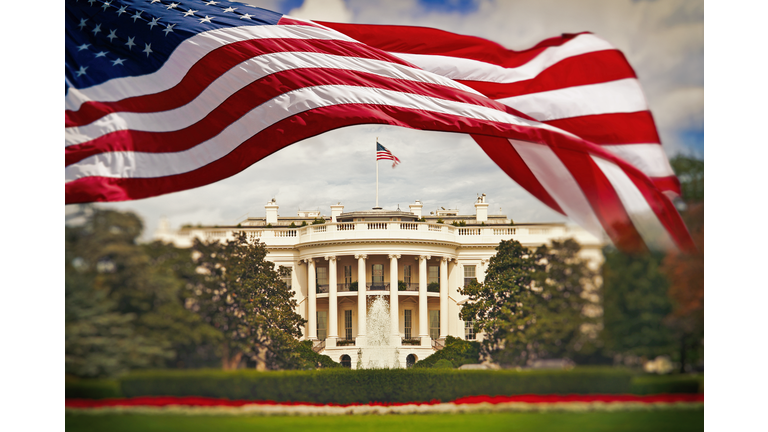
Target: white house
{"points": [[416, 261]]}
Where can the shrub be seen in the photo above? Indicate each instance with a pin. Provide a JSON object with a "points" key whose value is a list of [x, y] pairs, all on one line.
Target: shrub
{"points": [[292, 225], [353, 286], [456, 351], [454, 223], [433, 287], [269, 225], [463, 223], [303, 223], [318, 221], [443, 364], [422, 219], [91, 388], [440, 220], [343, 386], [401, 286], [309, 359], [657, 384]]}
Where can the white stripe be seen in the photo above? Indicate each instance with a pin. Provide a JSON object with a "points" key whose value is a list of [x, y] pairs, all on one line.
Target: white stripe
{"points": [[620, 96], [648, 158], [553, 175], [238, 77], [184, 56], [139, 164], [643, 217], [475, 70]]}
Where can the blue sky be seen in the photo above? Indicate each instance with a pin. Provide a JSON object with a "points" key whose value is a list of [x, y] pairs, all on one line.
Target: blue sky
{"points": [[663, 40]]}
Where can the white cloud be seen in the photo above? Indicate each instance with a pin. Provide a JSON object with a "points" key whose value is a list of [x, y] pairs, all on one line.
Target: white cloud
{"points": [[323, 10]]}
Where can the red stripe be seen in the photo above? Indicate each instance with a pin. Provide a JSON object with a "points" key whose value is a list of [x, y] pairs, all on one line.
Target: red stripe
{"points": [[284, 20], [507, 158], [199, 401], [591, 68], [603, 198], [670, 183], [251, 96], [619, 128], [423, 40], [212, 66]]}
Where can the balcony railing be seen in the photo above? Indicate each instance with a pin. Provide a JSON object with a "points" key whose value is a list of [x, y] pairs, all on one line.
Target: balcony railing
{"points": [[377, 286], [322, 288], [409, 286], [346, 287]]}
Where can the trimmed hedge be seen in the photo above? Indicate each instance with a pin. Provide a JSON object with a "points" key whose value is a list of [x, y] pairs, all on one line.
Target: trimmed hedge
{"points": [[656, 384], [91, 389], [351, 386], [457, 351]]}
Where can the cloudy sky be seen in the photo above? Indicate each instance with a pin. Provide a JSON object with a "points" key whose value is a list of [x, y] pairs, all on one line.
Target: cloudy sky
{"points": [[663, 40]]}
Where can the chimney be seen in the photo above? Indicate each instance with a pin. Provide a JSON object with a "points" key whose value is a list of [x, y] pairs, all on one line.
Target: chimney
{"points": [[481, 209], [336, 211], [416, 208], [271, 210]]}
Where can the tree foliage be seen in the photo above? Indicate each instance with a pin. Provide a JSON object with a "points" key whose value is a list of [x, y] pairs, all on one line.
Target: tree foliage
{"points": [[241, 294], [502, 305], [124, 309]]}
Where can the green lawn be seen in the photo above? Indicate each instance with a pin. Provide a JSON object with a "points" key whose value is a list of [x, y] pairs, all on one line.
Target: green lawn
{"points": [[666, 420]]}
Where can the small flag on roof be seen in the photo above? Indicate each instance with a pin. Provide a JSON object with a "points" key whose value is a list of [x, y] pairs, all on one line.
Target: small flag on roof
{"points": [[383, 154]]}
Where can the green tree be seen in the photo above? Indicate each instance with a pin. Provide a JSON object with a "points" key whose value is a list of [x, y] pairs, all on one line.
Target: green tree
{"points": [[123, 308], [565, 303], [635, 303], [690, 172], [241, 294], [502, 305]]}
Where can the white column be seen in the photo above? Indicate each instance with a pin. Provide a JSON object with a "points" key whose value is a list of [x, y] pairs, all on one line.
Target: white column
{"points": [[333, 315], [423, 309], [443, 297], [312, 303], [394, 301], [362, 306]]}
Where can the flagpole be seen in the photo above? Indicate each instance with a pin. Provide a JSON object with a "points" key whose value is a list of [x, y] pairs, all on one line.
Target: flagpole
{"points": [[377, 173]]}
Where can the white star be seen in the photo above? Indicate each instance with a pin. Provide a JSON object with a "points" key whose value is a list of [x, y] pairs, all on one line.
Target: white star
{"points": [[91, 2], [112, 35], [122, 10], [96, 29], [190, 12], [211, 3], [147, 49], [168, 29], [106, 5], [229, 9], [82, 23], [155, 1], [83, 46], [153, 23], [101, 54], [82, 70], [172, 5], [137, 15], [130, 42], [118, 62], [246, 16], [207, 19]]}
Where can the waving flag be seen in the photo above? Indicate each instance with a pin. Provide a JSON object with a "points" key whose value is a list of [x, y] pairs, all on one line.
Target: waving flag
{"points": [[383, 154], [164, 96]]}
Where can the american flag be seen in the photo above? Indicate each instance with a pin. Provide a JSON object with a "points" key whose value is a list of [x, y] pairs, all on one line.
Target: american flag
{"points": [[163, 96], [383, 154]]}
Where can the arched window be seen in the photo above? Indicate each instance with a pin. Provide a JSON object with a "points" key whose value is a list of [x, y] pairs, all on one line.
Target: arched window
{"points": [[410, 361], [346, 361]]}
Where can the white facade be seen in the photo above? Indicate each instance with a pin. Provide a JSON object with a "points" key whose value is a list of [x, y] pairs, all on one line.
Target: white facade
{"points": [[433, 259]]}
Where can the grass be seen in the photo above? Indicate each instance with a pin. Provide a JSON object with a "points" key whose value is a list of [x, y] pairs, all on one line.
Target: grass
{"points": [[628, 421]]}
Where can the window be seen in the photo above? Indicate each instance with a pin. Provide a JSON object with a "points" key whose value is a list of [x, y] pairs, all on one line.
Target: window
{"points": [[347, 275], [410, 361], [348, 324], [407, 274], [322, 324], [377, 275], [322, 275], [434, 324], [469, 274], [434, 274], [288, 279], [408, 322], [469, 330], [346, 361]]}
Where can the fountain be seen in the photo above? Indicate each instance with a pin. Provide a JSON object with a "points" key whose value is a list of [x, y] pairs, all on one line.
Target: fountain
{"points": [[381, 354]]}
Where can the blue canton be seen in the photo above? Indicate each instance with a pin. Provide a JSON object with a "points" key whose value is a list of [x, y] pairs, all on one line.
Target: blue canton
{"points": [[108, 39]]}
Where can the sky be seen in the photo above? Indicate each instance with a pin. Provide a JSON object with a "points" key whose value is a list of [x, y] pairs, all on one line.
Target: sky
{"points": [[663, 41]]}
